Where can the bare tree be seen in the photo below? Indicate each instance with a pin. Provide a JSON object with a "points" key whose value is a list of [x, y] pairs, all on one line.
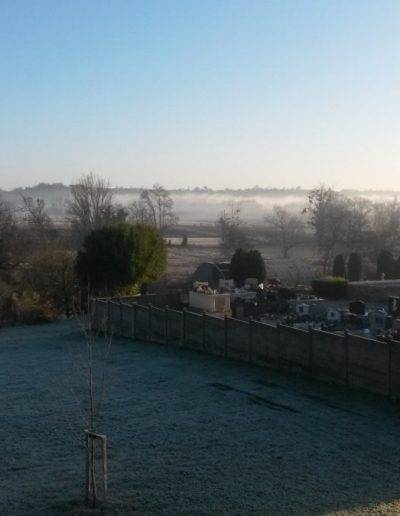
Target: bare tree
{"points": [[12, 248], [386, 225], [289, 229], [92, 203], [230, 225], [328, 216], [139, 212], [155, 207], [35, 214]]}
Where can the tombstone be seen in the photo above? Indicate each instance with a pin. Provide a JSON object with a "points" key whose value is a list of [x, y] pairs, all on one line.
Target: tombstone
{"points": [[393, 305], [357, 307], [396, 328], [252, 282], [334, 316], [377, 321], [208, 273], [302, 309], [226, 284]]}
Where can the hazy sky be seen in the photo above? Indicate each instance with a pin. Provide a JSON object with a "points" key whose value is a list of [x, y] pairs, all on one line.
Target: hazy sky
{"points": [[199, 92]]}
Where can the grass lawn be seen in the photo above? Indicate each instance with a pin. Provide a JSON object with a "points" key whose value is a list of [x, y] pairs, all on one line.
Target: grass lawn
{"points": [[188, 434]]}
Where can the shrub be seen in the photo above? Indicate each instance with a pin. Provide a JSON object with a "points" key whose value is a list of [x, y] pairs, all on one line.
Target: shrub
{"points": [[339, 266], [255, 267], [117, 258], [331, 287], [386, 264], [247, 264], [354, 267], [237, 268]]}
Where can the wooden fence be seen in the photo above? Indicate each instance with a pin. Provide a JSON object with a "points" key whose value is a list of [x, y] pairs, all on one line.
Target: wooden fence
{"points": [[346, 360]]}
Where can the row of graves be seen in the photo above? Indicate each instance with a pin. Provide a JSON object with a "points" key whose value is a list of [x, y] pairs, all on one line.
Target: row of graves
{"points": [[273, 302], [379, 322]]}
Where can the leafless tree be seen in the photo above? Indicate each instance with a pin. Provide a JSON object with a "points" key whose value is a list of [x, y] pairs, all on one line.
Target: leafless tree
{"points": [[328, 216], [386, 225], [289, 229], [35, 214], [92, 203], [91, 362], [155, 207], [11, 245], [139, 212], [231, 230]]}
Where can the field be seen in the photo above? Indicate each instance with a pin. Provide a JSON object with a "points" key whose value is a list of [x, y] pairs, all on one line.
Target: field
{"points": [[189, 434], [301, 266]]}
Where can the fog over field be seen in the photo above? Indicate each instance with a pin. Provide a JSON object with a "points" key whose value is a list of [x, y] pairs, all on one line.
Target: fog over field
{"points": [[197, 204]]}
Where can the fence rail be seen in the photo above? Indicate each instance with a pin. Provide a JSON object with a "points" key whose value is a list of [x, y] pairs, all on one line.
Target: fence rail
{"points": [[346, 360]]}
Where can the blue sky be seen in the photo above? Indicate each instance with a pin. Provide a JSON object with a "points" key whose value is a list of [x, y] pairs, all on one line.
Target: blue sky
{"points": [[186, 93]]}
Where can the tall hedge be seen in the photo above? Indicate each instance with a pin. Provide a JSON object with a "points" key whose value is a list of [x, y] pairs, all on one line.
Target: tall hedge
{"points": [[116, 258], [331, 288], [247, 264], [354, 267], [339, 266]]}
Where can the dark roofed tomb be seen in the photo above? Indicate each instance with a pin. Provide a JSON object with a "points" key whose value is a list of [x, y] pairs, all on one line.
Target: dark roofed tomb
{"points": [[209, 273]]}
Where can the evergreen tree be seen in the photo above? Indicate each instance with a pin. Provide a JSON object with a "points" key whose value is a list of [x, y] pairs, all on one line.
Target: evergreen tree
{"points": [[255, 266], [116, 258], [339, 266], [354, 267], [237, 268], [385, 264], [248, 264]]}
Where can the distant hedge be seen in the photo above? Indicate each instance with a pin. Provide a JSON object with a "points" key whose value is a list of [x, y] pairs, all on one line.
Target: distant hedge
{"points": [[331, 287]]}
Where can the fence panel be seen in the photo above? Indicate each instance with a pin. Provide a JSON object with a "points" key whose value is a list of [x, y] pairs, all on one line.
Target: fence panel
{"points": [[368, 364], [394, 371], [127, 312], [193, 337], [174, 327], [214, 335], [115, 318], [100, 314], [264, 344], [294, 350], [329, 356], [142, 322], [157, 324], [238, 339]]}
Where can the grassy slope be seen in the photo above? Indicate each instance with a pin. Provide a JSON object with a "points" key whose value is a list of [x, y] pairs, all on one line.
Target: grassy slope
{"points": [[189, 434]]}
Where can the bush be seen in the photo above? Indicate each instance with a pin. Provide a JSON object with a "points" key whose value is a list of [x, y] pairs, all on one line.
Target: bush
{"points": [[255, 267], [354, 267], [247, 264], [331, 287], [386, 264], [339, 267], [116, 259], [237, 268]]}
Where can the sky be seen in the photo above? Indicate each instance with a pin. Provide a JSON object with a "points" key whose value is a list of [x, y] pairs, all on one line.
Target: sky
{"points": [[222, 93]]}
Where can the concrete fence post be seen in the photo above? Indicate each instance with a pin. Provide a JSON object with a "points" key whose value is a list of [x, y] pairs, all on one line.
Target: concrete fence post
{"points": [[149, 322], [166, 324], [121, 318], [108, 316], [183, 330], [278, 345], [389, 367], [204, 332], [251, 326], [310, 350], [346, 357], [226, 336], [134, 321]]}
